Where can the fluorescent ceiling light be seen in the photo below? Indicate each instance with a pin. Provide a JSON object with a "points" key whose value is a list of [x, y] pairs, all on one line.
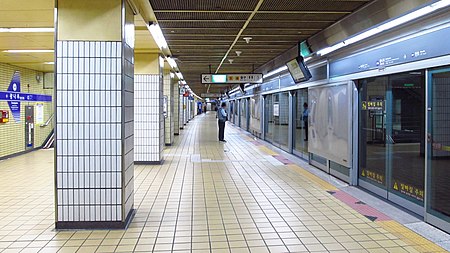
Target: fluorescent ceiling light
{"points": [[171, 62], [49, 63], [276, 71], [388, 25], [331, 49], [158, 36], [27, 30], [29, 51]]}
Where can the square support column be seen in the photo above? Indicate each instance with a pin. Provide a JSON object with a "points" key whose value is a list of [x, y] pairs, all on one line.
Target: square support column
{"points": [[168, 96], [176, 107], [148, 117], [94, 114]]}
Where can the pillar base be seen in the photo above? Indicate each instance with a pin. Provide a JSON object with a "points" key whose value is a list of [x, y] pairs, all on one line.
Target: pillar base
{"points": [[101, 225], [149, 162]]}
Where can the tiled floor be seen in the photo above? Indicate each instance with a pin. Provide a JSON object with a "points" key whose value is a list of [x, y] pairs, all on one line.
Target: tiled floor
{"points": [[206, 197]]}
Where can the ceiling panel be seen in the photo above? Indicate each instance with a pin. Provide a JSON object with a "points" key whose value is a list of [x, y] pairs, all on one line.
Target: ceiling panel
{"points": [[299, 16], [201, 24], [162, 16], [312, 5], [200, 32], [204, 5]]}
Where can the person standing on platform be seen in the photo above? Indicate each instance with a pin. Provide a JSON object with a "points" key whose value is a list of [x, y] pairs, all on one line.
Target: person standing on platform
{"points": [[305, 119], [222, 118]]}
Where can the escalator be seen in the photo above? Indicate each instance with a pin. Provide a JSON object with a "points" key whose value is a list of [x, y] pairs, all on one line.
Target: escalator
{"points": [[50, 141]]}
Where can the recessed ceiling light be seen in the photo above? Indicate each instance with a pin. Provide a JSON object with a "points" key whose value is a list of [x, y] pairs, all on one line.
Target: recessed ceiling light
{"points": [[172, 31], [247, 39], [29, 51]]}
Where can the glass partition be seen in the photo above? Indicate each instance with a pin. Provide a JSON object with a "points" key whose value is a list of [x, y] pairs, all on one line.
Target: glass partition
{"points": [[438, 160], [391, 135], [244, 114], [301, 111], [269, 118], [283, 120]]}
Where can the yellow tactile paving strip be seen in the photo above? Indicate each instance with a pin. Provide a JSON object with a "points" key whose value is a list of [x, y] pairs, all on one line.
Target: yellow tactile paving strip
{"points": [[325, 185], [408, 236], [206, 197]]}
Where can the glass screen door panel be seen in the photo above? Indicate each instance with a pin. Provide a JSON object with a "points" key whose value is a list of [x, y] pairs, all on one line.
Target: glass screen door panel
{"points": [[268, 122], [372, 131], [244, 114], [300, 103], [276, 119], [283, 122], [438, 160], [407, 136], [236, 112]]}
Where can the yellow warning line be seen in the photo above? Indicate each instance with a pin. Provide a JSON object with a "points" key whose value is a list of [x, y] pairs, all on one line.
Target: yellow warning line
{"points": [[410, 237], [267, 150], [322, 183]]}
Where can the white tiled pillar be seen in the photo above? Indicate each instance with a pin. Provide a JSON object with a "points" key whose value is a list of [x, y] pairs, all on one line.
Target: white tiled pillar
{"points": [[94, 129], [148, 114], [176, 108], [168, 95], [182, 112], [186, 110]]}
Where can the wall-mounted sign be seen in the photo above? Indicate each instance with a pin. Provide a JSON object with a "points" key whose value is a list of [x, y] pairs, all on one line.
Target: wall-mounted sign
{"points": [[231, 78], [13, 96], [165, 101], [276, 110], [39, 114], [372, 105], [211, 95]]}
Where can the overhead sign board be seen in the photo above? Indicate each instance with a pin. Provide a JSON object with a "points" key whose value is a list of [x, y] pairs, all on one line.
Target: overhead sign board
{"points": [[211, 95], [231, 78], [404, 51]]}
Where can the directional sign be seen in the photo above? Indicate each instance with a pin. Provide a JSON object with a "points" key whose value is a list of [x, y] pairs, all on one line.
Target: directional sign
{"points": [[231, 78], [211, 95], [24, 97]]}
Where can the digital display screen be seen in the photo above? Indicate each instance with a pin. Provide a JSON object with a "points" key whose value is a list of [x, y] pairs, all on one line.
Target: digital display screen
{"points": [[298, 70], [219, 78]]}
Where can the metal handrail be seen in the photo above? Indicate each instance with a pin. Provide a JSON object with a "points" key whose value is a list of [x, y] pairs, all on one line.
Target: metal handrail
{"points": [[48, 121]]}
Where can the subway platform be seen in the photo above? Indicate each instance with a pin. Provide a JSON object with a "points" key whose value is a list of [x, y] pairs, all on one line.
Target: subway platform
{"points": [[207, 196]]}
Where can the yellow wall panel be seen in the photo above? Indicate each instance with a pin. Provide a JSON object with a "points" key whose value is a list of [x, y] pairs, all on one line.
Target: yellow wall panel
{"points": [[146, 64], [90, 20]]}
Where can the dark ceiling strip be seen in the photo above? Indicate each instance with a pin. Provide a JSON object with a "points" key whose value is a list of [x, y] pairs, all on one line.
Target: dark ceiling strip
{"points": [[264, 12]]}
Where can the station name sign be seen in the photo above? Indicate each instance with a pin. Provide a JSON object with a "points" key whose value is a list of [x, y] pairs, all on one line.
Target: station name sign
{"points": [[231, 78], [14, 96]]}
